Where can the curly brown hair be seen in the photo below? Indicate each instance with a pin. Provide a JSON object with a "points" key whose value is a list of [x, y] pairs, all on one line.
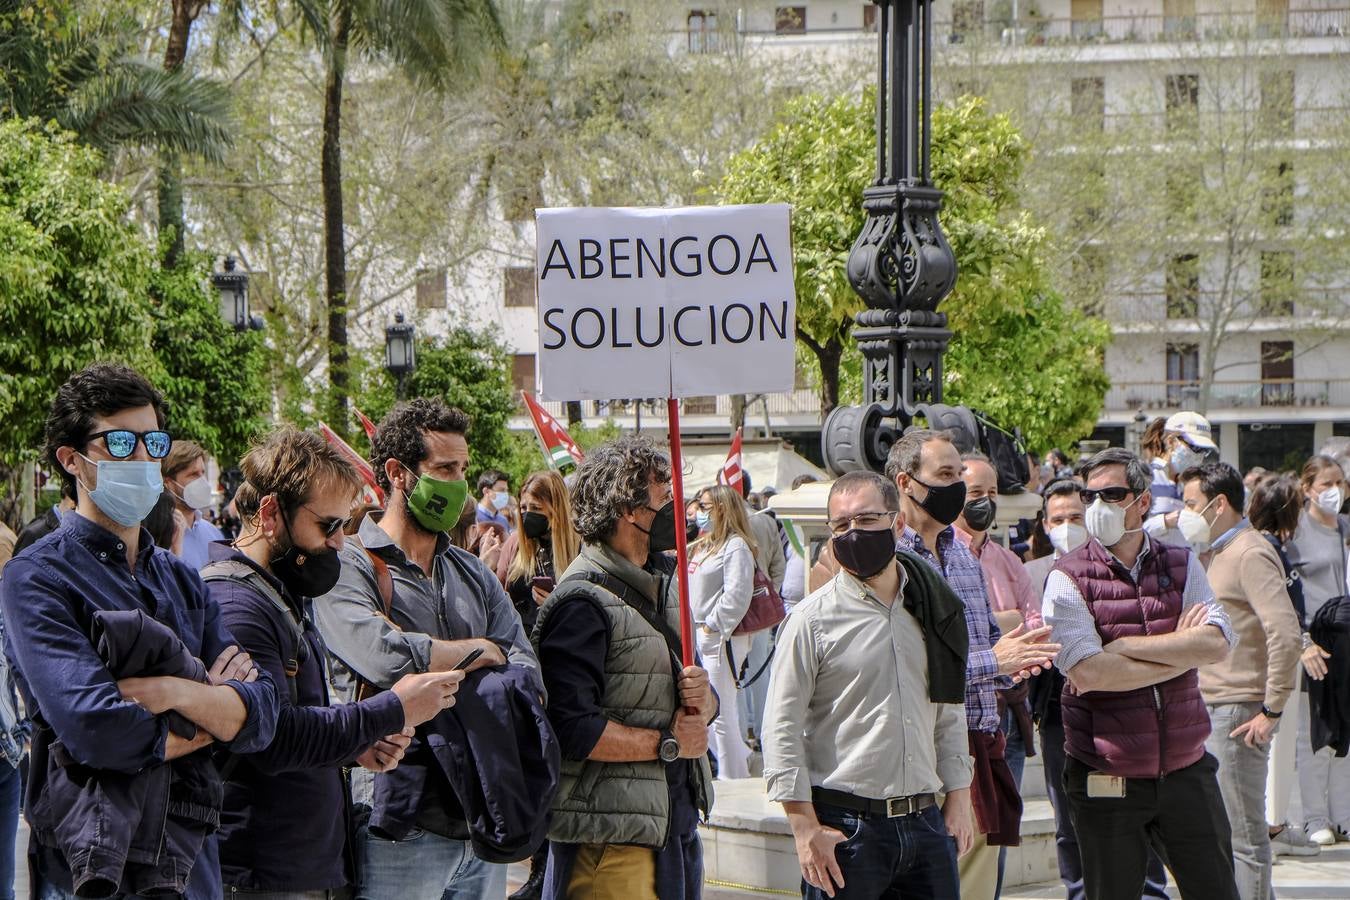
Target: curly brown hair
{"points": [[613, 481]]}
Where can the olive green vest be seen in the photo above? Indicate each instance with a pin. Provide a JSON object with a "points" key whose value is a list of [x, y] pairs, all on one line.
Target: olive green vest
{"points": [[629, 802]]}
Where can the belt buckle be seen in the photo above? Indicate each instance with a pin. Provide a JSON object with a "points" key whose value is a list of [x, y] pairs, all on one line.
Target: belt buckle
{"points": [[899, 806]]}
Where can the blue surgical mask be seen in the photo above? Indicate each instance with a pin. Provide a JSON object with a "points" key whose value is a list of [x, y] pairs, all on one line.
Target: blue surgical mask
{"points": [[127, 489], [500, 500], [701, 519]]}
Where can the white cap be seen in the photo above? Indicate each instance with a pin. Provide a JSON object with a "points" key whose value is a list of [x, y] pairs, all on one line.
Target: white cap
{"points": [[1194, 427]]}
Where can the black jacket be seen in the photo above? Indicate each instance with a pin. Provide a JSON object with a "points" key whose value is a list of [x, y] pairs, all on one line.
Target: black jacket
{"points": [[496, 748], [1330, 697], [135, 833], [942, 616]]}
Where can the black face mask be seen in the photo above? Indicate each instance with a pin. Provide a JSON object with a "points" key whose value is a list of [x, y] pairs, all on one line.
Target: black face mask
{"points": [[980, 513], [534, 525], [944, 502], [864, 553], [306, 574], [661, 536]]}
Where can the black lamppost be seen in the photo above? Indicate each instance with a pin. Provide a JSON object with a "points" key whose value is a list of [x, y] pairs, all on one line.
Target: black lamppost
{"points": [[232, 288], [400, 353], [901, 264]]}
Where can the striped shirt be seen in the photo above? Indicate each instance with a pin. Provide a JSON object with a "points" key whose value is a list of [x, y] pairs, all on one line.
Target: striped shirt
{"points": [[961, 569], [1166, 499]]}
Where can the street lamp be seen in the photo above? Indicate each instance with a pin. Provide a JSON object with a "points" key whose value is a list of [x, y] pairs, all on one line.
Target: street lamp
{"points": [[1138, 425], [232, 288], [901, 264], [400, 353]]}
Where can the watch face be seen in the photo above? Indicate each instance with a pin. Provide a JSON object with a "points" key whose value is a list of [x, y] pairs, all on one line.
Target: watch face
{"points": [[670, 750]]}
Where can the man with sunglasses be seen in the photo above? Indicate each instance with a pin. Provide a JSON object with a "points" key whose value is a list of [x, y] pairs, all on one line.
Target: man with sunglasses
{"points": [[1136, 617], [105, 436]]}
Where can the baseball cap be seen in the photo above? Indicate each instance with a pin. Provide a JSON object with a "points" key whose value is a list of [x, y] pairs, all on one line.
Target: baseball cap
{"points": [[1192, 426]]}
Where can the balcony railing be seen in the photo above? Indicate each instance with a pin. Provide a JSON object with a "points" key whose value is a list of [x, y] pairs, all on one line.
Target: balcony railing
{"points": [[1307, 306], [1135, 29], [1270, 393], [794, 407]]}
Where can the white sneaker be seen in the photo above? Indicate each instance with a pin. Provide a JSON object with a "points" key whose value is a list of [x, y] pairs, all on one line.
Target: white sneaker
{"points": [[1324, 837], [1293, 842]]}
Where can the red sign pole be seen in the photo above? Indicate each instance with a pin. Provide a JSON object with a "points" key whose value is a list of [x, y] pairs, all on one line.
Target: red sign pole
{"points": [[681, 536]]}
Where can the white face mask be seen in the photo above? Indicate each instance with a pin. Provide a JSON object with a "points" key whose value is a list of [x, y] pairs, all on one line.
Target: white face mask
{"points": [[1067, 536], [1106, 521], [197, 493], [1331, 499], [1195, 528], [1184, 457]]}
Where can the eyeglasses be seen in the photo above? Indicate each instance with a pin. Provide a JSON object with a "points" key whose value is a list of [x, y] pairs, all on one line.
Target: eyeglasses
{"points": [[868, 521], [330, 527], [121, 442], [1113, 494]]}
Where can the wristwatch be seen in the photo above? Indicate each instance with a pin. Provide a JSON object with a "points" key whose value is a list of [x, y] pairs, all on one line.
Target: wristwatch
{"points": [[1270, 715], [668, 750]]}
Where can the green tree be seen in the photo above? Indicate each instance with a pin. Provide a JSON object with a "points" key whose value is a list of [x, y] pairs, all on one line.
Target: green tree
{"points": [[1004, 311]]}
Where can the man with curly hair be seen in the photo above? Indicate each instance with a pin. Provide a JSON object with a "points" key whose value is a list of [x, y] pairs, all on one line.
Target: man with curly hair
{"points": [[631, 720], [409, 601]]}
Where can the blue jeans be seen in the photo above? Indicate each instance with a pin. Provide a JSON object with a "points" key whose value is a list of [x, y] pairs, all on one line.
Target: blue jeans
{"points": [[11, 787], [425, 866], [905, 858]]}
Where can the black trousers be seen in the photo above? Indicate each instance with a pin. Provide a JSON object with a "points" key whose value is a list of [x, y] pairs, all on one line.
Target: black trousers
{"points": [[1181, 816]]}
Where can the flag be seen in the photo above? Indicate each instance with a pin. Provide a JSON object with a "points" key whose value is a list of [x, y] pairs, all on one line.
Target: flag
{"points": [[558, 447], [731, 469], [366, 424], [367, 473]]}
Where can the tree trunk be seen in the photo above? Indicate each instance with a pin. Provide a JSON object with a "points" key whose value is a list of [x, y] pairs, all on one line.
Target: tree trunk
{"points": [[335, 254], [574, 416], [170, 183], [829, 355], [737, 411]]}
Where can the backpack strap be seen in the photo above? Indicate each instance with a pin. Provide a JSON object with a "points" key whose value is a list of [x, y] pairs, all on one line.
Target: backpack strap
{"points": [[621, 589], [241, 573]]}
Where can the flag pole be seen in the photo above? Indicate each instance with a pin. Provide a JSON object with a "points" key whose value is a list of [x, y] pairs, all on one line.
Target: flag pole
{"points": [[681, 536]]}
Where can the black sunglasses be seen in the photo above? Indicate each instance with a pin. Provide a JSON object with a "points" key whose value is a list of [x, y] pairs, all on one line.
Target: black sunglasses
{"points": [[329, 527], [1109, 494], [121, 442]]}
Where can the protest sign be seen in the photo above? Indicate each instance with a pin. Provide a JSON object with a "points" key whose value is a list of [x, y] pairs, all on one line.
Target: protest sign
{"points": [[665, 302]]}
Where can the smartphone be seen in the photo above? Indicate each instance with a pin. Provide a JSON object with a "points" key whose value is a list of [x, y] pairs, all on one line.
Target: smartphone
{"points": [[468, 660], [543, 582]]}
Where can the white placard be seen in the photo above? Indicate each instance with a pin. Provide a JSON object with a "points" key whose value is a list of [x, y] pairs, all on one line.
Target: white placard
{"points": [[637, 303]]}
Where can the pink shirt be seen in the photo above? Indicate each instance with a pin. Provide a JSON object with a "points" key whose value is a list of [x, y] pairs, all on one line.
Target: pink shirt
{"points": [[1006, 576]]}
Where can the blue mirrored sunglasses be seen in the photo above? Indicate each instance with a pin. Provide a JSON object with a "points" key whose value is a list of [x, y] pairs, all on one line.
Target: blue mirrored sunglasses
{"points": [[121, 442]]}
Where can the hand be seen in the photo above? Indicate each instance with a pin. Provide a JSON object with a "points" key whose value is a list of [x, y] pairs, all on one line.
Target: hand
{"points": [[1258, 732], [385, 754], [692, 733], [1032, 672], [492, 655], [156, 694], [1172, 519], [696, 691], [180, 526], [490, 548], [539, 594], [1315, 662], [816, 854], [426, 694], [232, 664], [959, 815], [1193, 617], [1021, 649]]}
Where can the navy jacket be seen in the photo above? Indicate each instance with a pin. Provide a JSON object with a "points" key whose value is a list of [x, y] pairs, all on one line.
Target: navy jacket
{"points": [[500, 755], [284, 826], [49, 594]]}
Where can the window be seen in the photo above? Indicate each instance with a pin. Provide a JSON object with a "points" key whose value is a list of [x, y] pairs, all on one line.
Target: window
{"points": [[699, 406], [1277, 283], [1277, 101], [1183, 374], [1277, 373], [1277, 199], [967, 20], [789, 20], [1183, 286], [702, 27], [431, 288], [870, 18], [518, 284], [1092, 194], [1087, 102], [1178, 18], [1183, 100], [1184, 181], [1086, 16], [1272, 17], [1089, 275], [522, 373]]}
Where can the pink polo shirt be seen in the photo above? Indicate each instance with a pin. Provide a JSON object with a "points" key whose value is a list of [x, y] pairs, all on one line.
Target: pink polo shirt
{"points": [[1006, 577]]}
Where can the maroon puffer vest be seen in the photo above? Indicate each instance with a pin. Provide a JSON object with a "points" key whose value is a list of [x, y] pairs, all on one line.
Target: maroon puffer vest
{"points": [[1149, 732]]}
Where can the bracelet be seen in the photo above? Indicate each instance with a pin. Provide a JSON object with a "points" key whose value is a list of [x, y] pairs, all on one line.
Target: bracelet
{"points": [[1268, 714]]}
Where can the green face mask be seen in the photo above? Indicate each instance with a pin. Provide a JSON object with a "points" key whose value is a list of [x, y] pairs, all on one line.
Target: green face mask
{"points": [[437, 504]]}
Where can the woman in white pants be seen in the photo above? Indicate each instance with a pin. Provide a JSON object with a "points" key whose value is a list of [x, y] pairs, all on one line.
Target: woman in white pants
{"points": [[721, 582]]}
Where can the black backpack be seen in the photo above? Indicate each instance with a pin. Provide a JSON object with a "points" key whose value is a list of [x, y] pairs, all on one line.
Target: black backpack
{"points": [[972, 430]]}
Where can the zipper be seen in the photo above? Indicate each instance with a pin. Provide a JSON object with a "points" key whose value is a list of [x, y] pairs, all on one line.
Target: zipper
{"points": [[1162, 734]]}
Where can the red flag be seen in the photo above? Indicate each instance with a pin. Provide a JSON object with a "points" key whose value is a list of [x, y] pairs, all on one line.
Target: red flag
{"points": [[731, 469], [367, 473], [366, 424], [558, 446]]}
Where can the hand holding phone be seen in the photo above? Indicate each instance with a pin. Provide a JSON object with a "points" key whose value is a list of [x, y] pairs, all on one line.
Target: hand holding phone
{"points": [[468, 660], [544, 583]]}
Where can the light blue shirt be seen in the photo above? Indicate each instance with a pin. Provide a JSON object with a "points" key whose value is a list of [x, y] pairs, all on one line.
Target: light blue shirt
{"points": [[197, 541]]}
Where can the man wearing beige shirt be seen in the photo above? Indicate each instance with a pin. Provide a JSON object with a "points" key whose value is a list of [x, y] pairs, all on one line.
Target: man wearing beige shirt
{"points": [[865, 723], [1246, 692]]}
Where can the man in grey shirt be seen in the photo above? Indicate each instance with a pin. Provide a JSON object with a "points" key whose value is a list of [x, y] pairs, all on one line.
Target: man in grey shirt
{"points": [[408, 601], [856, 747]]}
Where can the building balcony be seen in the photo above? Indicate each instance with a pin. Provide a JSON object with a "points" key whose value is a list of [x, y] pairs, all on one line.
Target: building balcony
{"points": [[1270, 398], [1197, 312]]}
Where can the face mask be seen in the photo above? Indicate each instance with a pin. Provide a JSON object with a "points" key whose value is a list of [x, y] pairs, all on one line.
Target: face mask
{"points": [[197, 493], [1184, 457], [864, 553], [661, 536], [1195, 528], [1329, 500], [127, 489], [306, 574], [701, 519], [944, 502], [436, 504], [534, 525], [1068, 536], [1106, 521], [500, 499], [980, 513]]}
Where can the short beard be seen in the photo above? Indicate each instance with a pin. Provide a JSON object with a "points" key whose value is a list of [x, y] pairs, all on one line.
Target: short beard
{"points": [[413, 521]]}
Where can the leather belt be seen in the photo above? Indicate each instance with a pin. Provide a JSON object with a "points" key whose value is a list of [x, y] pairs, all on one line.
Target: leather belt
{"points": [[890, 808]]}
